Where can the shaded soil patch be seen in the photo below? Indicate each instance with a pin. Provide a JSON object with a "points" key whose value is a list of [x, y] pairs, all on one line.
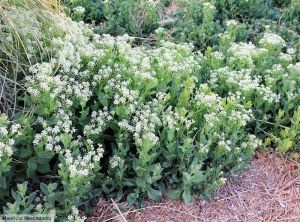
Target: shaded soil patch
{"points": [[268, 191]]}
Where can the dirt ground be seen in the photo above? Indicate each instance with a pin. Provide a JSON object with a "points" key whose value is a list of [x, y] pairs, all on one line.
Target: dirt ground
{"points": [[268, 191]]}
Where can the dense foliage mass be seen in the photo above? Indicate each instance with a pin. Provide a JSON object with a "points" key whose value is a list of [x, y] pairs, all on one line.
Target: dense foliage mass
{"points": [[101, 115]]}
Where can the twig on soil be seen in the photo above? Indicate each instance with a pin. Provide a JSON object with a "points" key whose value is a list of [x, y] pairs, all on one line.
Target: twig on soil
{"points": [[144, 208], [290, 183], [119, 211]]}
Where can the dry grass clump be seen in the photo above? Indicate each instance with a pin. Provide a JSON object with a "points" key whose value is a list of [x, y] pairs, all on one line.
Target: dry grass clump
{"points": [[268, 191], [16, 34]]}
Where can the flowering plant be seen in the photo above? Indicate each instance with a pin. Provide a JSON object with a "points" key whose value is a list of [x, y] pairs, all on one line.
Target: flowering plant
{"points": [[106, 116]]}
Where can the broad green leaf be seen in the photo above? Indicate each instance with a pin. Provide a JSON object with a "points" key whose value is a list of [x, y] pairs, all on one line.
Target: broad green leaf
{"points": [[31, 197], [173, 195], [102, 97], [31, 167], [198, 178], [3, 182], [154, 194], [44, 157], [43, 168], [187, 197], [25, 153], [66, 140], [44, 188], [131, 199]]}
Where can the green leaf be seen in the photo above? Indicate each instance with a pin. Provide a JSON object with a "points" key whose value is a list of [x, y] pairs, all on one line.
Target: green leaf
{"points": [[15, 195], [31, 167], [154, 194], [128, 182], [22, 188], [3, 182], [31, 197], [83, 120], [41, 110], [102, 97], [43, 168], [88, 208], [52, 187], [66, 140], [162, 187], [44, 157], [27, 100], [25, 153], [120, 195], [131, 199], [187, 197], [140, 182], [121, 111], [198, 178], [59, 196], [173, 195], [44, 188], [96, 192], [284, 146]]}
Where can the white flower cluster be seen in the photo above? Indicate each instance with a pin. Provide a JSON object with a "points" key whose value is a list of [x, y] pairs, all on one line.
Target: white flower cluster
{"points": [[211, 119], [169, 58], [294, 69], [285, 57], [7, 138], [64, 87], [271, 40], [121, 90], [51, 136], [75, 216], [277, 70], [6, 149], [288, 78], [79, 10], [218, 55], [144, 122], [203, 148], [246, 52], [231, 23], [291, 51], [242, 116], [114, 161], [253, 142], [70, 74], [225, 144], [208, 6], [175, 121], [137, 58], [43, 80], [243, 81], [62, 76], [81, 166], [208, 99], [160, 30], [98, 122], [14, 129], [267, 94], [275, 73]]}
